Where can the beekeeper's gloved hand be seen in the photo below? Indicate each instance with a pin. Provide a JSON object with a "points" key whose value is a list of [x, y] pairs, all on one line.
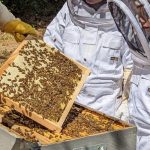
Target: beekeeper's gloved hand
{"points": [[126, 83], [19, 29]]}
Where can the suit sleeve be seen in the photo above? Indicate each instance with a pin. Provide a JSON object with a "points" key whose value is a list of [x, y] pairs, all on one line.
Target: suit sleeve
{"points": [[5, 15], [55, 30], [126, 56]]}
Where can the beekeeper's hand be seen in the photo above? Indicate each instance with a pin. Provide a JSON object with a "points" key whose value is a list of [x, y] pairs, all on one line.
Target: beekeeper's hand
{"points": [[126, 83], [19, 29], [145, 23]]}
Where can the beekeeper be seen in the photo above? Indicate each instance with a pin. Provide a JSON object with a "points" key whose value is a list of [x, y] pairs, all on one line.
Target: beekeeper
{"points": [[10, 24], [85, 31], [136, 14]]}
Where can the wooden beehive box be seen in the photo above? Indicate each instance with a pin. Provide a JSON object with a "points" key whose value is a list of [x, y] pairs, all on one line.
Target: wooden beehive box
{"points": [[41, 83], [84, 129]]}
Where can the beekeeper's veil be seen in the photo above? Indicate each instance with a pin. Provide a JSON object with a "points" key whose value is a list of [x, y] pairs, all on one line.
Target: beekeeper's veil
{"points": [[131, 18]]}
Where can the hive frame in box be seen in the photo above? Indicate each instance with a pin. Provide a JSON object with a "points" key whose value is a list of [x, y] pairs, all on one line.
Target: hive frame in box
{"points": [[121, 139], [56, 126]]}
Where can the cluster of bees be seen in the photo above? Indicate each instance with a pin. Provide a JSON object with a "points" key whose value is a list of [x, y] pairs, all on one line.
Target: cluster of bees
{"points": [[86, 122], [80, 122], [13, 118], [41, 79]]}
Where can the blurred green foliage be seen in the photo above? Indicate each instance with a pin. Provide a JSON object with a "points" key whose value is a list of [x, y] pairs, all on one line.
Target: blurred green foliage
{"points": [[34, 10]]}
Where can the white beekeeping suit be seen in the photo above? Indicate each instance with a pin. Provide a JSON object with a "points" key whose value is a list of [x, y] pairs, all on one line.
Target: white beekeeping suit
{"points": [[91, 38], [133, 20]]}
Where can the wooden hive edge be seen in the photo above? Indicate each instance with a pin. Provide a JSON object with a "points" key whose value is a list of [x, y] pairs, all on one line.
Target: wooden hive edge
{"points": [[39, 137], [34, 116]]}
